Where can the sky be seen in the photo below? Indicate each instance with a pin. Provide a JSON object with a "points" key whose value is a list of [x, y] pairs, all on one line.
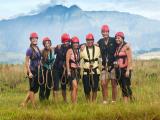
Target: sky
{"points": [[146, 8]]}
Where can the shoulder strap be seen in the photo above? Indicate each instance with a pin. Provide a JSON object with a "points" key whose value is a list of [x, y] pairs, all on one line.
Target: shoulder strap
{"points": [[93, 53], [33, 53], [39, 50], [119, 49]]}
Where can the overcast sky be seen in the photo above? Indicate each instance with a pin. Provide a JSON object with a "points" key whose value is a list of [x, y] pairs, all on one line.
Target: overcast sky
{"points": [[147, 8]]}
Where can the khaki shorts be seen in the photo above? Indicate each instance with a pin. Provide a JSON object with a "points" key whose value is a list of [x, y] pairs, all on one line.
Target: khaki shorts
{"points": [[105, 75]]}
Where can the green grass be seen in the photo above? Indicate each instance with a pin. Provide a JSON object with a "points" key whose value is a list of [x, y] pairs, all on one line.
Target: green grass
{"points": [[145, 85]]}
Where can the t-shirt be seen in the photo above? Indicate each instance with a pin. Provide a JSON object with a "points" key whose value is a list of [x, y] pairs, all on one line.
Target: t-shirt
{"points": [[107, 51], [60, 56], [35, 58]]}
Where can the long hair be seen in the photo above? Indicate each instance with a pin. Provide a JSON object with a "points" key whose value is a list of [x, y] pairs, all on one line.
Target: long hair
{"points": [[45, 54]]}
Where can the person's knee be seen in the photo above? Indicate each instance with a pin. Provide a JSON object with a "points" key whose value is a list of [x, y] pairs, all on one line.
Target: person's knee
{"points": [[114, 83], [75, 87], [103, 83]]}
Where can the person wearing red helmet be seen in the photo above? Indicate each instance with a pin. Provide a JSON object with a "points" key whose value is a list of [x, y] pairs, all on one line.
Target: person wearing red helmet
{"points": [[60, 66], [107, 46], [123, 65], [90, 54], [46, 81], [33, 57], [73, 67]]}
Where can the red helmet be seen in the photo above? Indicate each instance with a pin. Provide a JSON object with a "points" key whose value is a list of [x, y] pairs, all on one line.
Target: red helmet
{"points": [[33, 35], [89, 36], [105, 28], [121, 34], [65, 38], [75, 39], [46, 39]]}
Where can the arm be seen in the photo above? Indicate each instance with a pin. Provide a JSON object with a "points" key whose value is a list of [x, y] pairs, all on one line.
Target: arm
{"points": [[129, 57], [27, 66], [96, 44], [68, 55], [81, 51]]}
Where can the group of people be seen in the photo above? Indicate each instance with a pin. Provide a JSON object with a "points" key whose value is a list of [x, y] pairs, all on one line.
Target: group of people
{"points": [[63, 64]]}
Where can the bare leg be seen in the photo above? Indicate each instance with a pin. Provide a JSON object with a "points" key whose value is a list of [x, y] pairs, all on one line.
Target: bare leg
{"points": [[32, 98], [64, 95], [74, 91], [94, 96], [125, 99], [104, 88], [23, 104], [55, 96], [114, 89], [88, 97]]}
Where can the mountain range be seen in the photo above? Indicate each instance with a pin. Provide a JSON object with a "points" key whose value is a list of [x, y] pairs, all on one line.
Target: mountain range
{"points": [[142, 33]]}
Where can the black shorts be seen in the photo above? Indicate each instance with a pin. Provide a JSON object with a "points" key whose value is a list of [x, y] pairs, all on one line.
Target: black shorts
{"points": [[33, 82], [75, 74], [90, 84]]}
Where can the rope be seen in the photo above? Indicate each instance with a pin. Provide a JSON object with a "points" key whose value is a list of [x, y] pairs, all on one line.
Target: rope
{"points": [[39, 77], [63, 75], [91, 78], [47, 80]]}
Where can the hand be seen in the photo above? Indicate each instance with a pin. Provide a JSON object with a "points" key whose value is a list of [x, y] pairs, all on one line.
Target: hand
{"points": [[115, 64], [91, 66], [69, 73], [30, 75], [64, 66], [127, 73]]}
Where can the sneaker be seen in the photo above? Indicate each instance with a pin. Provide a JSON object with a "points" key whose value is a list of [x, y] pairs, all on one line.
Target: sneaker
{"points": [[113, 101], [105, 102]]}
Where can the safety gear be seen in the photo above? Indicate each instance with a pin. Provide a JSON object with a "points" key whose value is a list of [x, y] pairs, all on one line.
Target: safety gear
{"points": [[121, 56], [90, 39], [105, 28], [90, 56], [121, 34], [89, 36], [46, 39], [65, 38], [33, 35], [49, 61], [75, 59], [74, 40]]}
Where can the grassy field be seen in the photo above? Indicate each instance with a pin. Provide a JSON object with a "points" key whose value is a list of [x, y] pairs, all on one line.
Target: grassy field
{"points": [[145, 85]]}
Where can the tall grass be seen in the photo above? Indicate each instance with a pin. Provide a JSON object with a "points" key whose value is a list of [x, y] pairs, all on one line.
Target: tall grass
{"points": [[145, 85]]}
